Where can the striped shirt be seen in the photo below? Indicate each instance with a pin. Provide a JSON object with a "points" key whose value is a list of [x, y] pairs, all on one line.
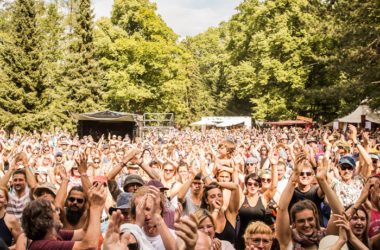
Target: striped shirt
{"points": [[16, 205]]}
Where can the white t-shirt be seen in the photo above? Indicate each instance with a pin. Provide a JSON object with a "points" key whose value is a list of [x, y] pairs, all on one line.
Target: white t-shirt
{"points": [[156, 241]]}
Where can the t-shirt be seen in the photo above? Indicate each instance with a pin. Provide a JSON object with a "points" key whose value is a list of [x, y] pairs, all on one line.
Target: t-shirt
{"points": [[156, 241], [312, 195], [189, 206], [63, 242], [16, 205], [374, 224], [348, 194]]}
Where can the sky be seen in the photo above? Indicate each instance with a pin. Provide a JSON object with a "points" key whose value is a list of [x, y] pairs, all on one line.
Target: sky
{"points": [[185, 17]]}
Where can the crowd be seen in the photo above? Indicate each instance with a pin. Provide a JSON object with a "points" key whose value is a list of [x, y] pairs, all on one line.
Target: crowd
{"points": [[287, 188]]}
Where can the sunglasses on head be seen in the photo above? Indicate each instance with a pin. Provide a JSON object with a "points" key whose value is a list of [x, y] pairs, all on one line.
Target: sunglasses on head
{"points": [[346, 167], [79, 200], [305, 174]]}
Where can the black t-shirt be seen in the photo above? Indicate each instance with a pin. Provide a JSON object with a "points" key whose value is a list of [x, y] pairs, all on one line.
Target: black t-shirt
{"points": [[312, 195]]}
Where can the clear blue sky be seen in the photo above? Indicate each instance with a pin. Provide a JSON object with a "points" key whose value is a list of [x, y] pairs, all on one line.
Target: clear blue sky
{"points": [[185, 17]]}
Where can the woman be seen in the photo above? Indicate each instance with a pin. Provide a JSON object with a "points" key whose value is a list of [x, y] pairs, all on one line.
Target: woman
{"points": [[206, 224], [168, 178], [225, 220], [263, 151], [253, 205], [9, 226]]}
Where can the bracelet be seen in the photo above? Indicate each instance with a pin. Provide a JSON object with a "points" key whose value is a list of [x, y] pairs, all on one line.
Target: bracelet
{"points": [[83, 174]]}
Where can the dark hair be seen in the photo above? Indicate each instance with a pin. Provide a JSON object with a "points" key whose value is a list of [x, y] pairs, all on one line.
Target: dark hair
{"points": [[20, 171], [364, 239], [253, 176], [207, 188], [198, 177], [305, 205], [37, 218]]}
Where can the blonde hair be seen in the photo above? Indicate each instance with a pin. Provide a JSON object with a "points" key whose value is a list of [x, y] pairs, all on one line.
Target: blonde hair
{"points": [[202, 214], [257, 227], [6, 194]]}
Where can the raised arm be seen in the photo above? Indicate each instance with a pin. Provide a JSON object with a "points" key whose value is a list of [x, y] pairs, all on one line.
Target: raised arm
{"points": [[82, 168], [150, 171], [60, 198], [268, 195], [184, 188], [233, 206], [365, 170]]}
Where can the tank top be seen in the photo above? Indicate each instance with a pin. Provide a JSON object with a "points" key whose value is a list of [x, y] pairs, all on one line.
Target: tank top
{"points": [[228, 233], [5, 234], [247, 214]]}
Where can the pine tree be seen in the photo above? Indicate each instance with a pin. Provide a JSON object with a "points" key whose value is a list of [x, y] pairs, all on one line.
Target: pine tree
{"points": [[83, 83], [23, 87]]}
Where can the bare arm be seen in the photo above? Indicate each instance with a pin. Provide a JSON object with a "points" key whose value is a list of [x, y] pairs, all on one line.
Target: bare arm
{"points": [[183, 190]]}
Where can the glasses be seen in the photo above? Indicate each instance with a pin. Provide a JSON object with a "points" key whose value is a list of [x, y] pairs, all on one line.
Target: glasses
{"points": [[96, 162], [79, 200], [343, 168], [251, 164], [305, 174], [255, 184], [169, 170], [257, 241], [266, 180]]}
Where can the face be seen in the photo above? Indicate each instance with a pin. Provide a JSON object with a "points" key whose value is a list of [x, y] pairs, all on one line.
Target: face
{"points": [[263, 151], [223, 151], [358, 223], [183, 172], [224, 177], [75, 201], [346, 171], [341, 151], [46, 194], [168, 171], [214, 195], [207, 227], [196, 186], [266, 180], [305, 222], [252, 186], [281, 171], [19, 182], [259, 241], [3, 200], [148, 222], [306, 176], [251, 167], [132, 187], [126, 212]]}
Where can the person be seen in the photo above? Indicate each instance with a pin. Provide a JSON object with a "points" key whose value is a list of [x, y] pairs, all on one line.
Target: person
{"points": [[305, 230], [41, 223], [124, 206], [10, 229], [206, 224], [148, 208], [192, 202], [46, 191], [225, 220], [20, 178], [258, 235]]}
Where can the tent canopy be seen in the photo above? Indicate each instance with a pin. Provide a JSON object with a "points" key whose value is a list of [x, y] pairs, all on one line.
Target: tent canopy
{"points": [[229, 123], [288, 123], [105, 116], [355, 117], [202, 123]]}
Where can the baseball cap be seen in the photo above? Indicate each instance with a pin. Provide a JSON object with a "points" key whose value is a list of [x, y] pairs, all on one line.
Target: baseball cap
{"points": [[347, 160], [251, 160], [157, 184], [122, 202]]}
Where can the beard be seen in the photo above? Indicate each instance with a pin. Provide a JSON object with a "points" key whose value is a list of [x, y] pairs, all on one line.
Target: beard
{"points": [[73, 217]]}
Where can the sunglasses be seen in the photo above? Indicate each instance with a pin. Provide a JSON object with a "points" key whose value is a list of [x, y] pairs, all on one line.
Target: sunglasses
{"points": [[266, 180], [96, 162], [255, 184], [251, 164], [79, 200], [169, 170], [343, 168], [305, 174]]}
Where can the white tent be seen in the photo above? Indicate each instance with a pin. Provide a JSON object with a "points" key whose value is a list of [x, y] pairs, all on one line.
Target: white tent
{"points": [[202, 123], [229, 123], [355, 117]]}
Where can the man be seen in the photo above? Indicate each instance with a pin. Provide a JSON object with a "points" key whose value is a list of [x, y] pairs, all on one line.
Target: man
{"points": [[282, 181], [74, 214], [124, 205], [45, 191], [192, 202], [21, 175], [40, 221], [148, 207]]}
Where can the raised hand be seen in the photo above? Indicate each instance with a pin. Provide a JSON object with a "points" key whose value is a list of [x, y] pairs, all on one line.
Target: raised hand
{"points": [[178, 212], [353, 133], [112, 238], [82, 163], [187, 231], [97, 195]]}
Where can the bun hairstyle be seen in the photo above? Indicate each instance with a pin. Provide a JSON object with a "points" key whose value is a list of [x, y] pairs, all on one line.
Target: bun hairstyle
{"points": [[253, 176]]}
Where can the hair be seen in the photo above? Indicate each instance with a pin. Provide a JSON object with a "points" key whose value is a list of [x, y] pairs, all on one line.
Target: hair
{"points": [[365, 234], [207, 188], [198, 177], [141, 191], [253, 176], [257, 227], [168, 163], [19, 171], [264, 146], [79, 189], [6, 194], [229, 145], [37, 218], [265, 171], [305, 205], [221, 171], [202, 214]]}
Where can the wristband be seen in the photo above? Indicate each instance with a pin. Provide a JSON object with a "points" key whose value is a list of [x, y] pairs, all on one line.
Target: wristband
{"points": [[84, 174]]}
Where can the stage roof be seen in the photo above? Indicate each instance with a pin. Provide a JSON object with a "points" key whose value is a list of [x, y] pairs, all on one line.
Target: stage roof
{"points": [[105, 116]]}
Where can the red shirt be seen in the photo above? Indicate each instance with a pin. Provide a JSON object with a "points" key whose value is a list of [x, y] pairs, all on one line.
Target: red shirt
{"points": [[374, 224], [63, 242]]}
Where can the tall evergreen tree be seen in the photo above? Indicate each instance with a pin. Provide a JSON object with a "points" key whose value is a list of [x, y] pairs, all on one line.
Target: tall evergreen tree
{"points": [[83, 82], [23, 89]]}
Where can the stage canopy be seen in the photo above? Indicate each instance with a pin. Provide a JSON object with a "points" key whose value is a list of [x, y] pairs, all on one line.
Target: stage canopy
{"points": [[288, 123]]}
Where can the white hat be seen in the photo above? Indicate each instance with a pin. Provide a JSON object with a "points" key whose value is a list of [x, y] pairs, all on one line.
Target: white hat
{"points": [[328, 241]]}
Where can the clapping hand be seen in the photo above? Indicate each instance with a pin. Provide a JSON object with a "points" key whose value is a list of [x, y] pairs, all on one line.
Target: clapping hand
{"points": [[112, 238]]}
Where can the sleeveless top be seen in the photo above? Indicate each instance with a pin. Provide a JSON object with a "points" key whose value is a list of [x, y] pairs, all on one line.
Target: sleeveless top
{"points": [[5, 234], [247, 214], [228, 233]]}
